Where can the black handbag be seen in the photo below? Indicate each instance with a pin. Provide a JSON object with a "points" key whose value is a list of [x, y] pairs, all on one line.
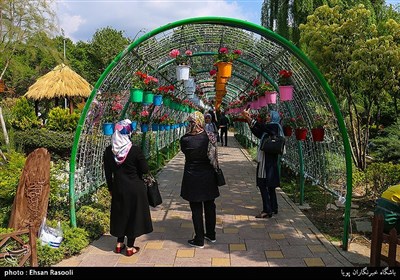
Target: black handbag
{"points": [[220, 177], [153, 193], [273, 144]]}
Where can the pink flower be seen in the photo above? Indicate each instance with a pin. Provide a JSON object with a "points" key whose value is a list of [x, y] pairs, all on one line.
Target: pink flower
{"points": [[188, 53], [174, 53]]}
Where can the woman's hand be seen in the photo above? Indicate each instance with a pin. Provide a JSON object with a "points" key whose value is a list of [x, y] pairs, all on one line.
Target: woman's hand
{"points": [[246, 114]]}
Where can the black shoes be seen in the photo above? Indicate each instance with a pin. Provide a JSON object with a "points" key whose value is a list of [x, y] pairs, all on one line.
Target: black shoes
{"points": [[210, 238], [264, 215], [275, 212], [195, 243]]}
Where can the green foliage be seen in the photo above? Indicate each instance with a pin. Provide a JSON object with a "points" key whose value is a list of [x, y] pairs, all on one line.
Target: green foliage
{"points": [[386, 147], [380, 176], [23, 115], [48, 256], [58, 199], [94, 221], [75, 239], [61, 120], [10, 174], [59, 144]]}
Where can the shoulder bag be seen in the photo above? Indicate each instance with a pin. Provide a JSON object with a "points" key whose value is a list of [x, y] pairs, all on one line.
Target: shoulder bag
{"points": [[273, 144], [153, 193]]}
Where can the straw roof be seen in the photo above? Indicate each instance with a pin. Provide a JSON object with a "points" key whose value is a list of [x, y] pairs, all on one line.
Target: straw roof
{"points": [[62, 81]]}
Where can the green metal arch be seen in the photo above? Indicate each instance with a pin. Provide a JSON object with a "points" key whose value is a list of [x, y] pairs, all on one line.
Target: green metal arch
{"points": [[218, 21]]}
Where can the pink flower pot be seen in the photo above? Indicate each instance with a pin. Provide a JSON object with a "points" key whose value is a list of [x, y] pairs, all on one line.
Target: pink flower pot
{"points": [[286, 93], [271, 97]]}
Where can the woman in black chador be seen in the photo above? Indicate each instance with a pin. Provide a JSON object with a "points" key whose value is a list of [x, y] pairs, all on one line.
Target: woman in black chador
{"points": [[267, 168], [124, 165], [199, 184]]}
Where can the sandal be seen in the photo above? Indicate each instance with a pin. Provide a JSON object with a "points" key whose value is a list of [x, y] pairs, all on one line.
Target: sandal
{"points": [[118, 249], [264, 215], [130, 252]]}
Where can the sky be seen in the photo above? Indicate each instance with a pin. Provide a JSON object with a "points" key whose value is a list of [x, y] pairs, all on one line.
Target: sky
{"points": [[80, 19]]}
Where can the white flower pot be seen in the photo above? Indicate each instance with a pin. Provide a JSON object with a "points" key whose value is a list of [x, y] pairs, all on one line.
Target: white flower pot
{"points": [[182, 72]]}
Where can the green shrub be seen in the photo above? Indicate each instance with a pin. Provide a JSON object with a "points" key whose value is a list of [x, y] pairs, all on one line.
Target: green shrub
{"points": [[59, 144], [94, 221], [61, 120], [75, 239], [386, 147], [48, 256], [380, 176], [59, 190], [23, 115], [10, 174]]}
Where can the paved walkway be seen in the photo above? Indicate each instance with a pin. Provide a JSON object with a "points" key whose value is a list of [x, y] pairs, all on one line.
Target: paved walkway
{"points": [[287, 239]]}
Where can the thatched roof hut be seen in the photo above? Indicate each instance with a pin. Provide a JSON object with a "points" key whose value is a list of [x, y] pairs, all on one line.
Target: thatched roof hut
{"points": [[61, 82]]}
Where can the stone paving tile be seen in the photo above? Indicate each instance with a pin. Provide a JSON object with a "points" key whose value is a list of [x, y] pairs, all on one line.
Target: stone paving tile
{"points": [[105, 260], [154, 245], [317, 249], [128, 260], [261, 245], [277, 235], [314, 262], [185, 253], [289, 232], [246, 258], [220, 262], [237, 247], [296, 251], [274, 254], [286, 263]]}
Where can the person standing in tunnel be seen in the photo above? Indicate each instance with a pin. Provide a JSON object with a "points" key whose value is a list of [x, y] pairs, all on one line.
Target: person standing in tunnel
{"points": [[124, 166], [267, 177], [223, 124], [199, 184]]}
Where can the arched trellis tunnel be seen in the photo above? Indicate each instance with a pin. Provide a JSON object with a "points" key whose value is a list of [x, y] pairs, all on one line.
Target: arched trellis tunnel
{"points": [[264, 54]]}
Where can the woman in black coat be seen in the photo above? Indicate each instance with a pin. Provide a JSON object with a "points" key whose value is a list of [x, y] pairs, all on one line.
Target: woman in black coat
{"points": [[199, 185], [124, 165], [267, 178]]}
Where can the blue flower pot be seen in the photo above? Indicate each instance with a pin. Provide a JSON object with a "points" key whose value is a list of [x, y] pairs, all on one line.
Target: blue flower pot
{"points": [[157, 100], [108, 128]]}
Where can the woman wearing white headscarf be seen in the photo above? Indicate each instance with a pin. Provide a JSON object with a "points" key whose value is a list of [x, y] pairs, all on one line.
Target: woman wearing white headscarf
{"points": [[199, 184], [267, 178], [124, 165]]}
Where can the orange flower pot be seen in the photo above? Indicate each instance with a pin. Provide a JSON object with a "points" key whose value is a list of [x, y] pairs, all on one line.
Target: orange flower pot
{"points": [[224, 69]]}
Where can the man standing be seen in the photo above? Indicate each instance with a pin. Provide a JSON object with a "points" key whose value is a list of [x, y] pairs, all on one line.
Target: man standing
{"points": [[223, 125]]}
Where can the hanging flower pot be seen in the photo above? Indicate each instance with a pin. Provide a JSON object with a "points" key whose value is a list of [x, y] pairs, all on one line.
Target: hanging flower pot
{"points": [[144, 127], [136, 95], [148, 97], [154, 127], [287, 130], [271, 97], [286, 93], [157, 101], [134, 125], [108, 128], [182, 72], [224, 69], [220, 86], [301, 133], [318, 134]]}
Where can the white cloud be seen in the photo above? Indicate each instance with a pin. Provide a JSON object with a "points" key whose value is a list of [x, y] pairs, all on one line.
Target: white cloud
{"points": [[81, 19]]}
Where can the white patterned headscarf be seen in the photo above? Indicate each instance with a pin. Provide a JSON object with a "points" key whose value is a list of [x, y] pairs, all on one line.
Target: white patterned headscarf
{"points": [[196, 123], [120, 140]]}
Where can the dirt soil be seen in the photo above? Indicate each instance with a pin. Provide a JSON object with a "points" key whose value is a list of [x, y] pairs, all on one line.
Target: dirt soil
{"points": [[330, 223]]}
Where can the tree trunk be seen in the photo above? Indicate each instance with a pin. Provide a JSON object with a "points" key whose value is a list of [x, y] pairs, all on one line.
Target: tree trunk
{"points": [[3, 126]]}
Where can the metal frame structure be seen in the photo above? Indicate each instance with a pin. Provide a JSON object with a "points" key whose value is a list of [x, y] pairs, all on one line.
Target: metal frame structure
{"points": [[264, 54]]}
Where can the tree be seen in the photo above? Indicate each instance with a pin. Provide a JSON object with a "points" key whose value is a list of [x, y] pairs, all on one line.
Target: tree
{"points": [[361, 64], [19, 21], [104, 47]]}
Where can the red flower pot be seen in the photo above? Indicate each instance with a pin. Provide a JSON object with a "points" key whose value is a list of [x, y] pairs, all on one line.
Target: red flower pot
{"points": [[301, 133], [287, 130], [318, 134]]}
